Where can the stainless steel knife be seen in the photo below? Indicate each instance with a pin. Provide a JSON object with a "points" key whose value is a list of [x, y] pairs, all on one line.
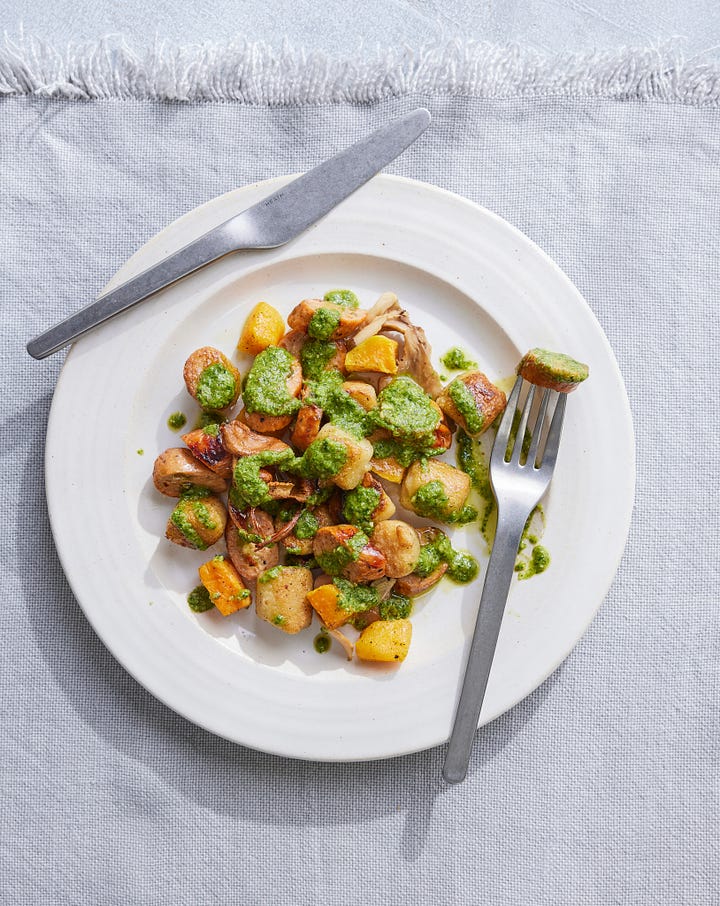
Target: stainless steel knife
{"points": [[267, 224]]}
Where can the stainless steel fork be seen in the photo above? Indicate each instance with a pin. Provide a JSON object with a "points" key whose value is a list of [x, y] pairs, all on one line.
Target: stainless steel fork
{"points": [[519, 478]]}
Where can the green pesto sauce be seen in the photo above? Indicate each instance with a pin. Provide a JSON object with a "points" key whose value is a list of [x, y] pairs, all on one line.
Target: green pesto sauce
{"points": [[456, 360], [341, 409], [278, 619], [334, 562], [270, 574], [405, 410], [180, 518], [249, 489], [323, 459], [322, 495], [465, 404], [462, 567], [323, 323], [294, 559], [321, 642], [314, 358], [176, 421], [355, 598], [199, 600], [406, 453], [265, 385], [431, 501], [538, 563], [206, 419], [306, 526], [212, 429], [471, 460], [202, 514], [140, 452], [216, 387], [344, 297], [360, 504], [397, 607], [527, 439]]}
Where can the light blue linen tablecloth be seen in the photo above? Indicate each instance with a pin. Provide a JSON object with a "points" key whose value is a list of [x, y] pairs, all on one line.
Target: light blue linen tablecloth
{"points": [[602, 787]]}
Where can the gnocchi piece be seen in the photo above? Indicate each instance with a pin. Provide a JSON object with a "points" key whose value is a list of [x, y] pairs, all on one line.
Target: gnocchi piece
{"points": [[362, 392], [359, 453], [398, 542], [282, 597], [385, 641], [473, 402], [211, 379], [434, 489]]}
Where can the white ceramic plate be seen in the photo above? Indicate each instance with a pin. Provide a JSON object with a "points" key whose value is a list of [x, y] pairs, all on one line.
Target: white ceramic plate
{"points": [[470, 279]]}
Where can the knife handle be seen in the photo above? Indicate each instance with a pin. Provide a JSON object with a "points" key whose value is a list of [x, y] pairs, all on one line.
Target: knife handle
{"points": [[209, 247]]}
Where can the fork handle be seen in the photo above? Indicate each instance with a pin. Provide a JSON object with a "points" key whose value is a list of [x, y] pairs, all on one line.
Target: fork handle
{"points": [[495, 591]]}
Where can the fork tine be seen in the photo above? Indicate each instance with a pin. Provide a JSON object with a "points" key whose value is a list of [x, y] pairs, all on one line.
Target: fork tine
{"points": [[503, 433], [553, 438], [538, 427], [516, 452]]}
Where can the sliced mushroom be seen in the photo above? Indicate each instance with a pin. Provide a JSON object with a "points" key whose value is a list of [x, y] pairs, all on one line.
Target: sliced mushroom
{"points": [[208, 448], [344, 641], [413, 585], [415, 358], [249, 559], [240, 440], [376, 317], [177, 469]]}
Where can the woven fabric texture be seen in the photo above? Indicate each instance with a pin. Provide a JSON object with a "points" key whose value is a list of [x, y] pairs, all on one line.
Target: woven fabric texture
{"points": [[602, 787]]}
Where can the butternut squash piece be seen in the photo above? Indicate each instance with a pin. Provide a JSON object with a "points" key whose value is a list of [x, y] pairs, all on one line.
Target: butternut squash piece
{"points": [[385, 640], [226, 589], [324, 601], [264, 327], [374, 354]]}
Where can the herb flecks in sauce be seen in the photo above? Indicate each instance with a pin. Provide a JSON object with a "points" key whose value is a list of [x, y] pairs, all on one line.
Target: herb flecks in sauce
{"points": [[466, 406], [323, 323], [199, 600], [344, 297], [306, 526], [341, 409], [270, 574], [455, 359], [249, 489], [176, 421], [216, 387], [333, 562], [321, 642], [266, 384], [462, 567], [355, 598], [323, 459], [360, 504], [405, 410], [396, 607], [314, 357]]}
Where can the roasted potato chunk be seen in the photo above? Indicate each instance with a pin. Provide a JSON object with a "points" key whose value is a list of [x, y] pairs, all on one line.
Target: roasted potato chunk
{"points": [[398, 542], [359, 453], [282, 597], [552, 369], [198, 521], [348, 319], [176, 470], [385, 640], [473, 402], [435, 490], [212, 379], [225, 587]]}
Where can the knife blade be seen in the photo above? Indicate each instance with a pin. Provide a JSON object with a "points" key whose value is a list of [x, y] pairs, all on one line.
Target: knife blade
{"points": [[271, 222]]}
